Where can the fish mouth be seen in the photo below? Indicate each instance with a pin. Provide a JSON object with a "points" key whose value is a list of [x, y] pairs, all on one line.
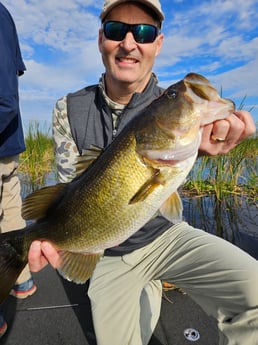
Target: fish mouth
{"points": [[201, 87], [176, 154], [199, 90]]}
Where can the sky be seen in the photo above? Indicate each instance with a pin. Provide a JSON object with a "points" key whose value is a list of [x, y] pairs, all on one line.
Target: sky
{"points": [[58, 40]]}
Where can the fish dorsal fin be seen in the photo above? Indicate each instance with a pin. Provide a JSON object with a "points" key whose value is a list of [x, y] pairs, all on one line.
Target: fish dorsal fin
{"points": [[148, 187], [172, 208], [78, 267], [86, 158], [37, 203]]}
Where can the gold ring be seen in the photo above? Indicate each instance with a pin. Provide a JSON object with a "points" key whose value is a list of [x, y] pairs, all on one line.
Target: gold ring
{"points": [[218, 139]]}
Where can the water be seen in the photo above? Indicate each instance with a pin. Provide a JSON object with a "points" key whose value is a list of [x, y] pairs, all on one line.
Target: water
{"points": [[27, 186], [234, 219]]}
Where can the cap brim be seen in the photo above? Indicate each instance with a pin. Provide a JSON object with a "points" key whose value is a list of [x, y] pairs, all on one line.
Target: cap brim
{"points": [[105, 12]]}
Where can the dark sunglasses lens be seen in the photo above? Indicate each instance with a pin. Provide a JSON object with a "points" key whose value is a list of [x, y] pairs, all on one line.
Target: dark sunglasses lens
{"points": [[144, 33], [115, 31]]}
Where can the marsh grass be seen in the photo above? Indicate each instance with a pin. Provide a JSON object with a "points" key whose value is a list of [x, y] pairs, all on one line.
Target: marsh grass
{"points": [[232, 174], [37, 162], [219, 195]]}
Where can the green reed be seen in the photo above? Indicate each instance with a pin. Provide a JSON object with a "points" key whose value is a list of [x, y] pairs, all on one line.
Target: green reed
{"points": [[36, 163], [233, 173], [218, 194], [222, 190]]}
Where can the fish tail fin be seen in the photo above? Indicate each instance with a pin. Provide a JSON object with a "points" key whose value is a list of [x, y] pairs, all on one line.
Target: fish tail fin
{"points": [[13, 258]]}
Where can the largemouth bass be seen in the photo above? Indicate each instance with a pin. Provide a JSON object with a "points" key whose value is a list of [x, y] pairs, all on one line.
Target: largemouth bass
{"points": [[134, 178]]}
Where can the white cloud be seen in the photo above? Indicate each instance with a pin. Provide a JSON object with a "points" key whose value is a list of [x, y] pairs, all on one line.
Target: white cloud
{"points": [[217, 38]]}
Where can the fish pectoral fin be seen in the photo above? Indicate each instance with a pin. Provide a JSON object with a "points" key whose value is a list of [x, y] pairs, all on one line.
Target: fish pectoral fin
{"points": [[147, 188], [172, 208], [78, 267], [36, 204]]}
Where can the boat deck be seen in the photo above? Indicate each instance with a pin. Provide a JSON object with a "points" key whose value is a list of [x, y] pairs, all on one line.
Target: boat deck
{"points": [[59, 314]]}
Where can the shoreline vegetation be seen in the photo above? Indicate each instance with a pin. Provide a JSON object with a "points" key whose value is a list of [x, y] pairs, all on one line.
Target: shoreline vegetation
{"points": [[232, 174], [37, 162], [218, 188]]}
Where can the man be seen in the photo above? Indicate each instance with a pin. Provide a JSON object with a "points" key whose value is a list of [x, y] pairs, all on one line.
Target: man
{"points": [[125, 289], [11, 144]]}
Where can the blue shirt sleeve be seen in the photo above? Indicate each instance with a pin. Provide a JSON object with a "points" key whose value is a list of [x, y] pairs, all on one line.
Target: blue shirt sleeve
{"points": [[11, 66]]}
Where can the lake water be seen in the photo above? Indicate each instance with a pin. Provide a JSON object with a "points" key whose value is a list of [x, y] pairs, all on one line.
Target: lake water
{"points": [[233, 219]]}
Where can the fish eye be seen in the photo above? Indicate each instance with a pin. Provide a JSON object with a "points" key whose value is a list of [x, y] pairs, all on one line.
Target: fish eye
{"points": [[172, 94]]}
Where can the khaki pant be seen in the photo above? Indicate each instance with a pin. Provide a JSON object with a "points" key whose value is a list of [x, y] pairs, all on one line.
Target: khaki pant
{"points": [[217, 275], [10, 202]]}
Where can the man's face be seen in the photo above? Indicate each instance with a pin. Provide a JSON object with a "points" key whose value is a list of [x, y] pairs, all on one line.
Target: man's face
{"points": [[128, 62]]}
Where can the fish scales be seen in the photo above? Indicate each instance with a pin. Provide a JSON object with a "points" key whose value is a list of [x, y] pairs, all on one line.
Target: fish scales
{"points": [[134, 178]]}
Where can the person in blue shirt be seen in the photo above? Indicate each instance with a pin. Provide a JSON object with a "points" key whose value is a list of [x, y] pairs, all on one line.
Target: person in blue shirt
{"points": [[11, 144]]}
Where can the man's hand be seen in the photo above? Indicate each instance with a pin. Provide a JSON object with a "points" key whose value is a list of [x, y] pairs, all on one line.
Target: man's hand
{"points": [[42, 253], [223, 135]]}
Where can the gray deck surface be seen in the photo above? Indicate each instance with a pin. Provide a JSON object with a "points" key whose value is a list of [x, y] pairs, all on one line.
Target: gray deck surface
{"points": [[59, 314]]}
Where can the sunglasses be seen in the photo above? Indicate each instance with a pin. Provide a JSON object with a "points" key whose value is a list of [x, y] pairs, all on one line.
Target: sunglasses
{"points": [[142, 33]]}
